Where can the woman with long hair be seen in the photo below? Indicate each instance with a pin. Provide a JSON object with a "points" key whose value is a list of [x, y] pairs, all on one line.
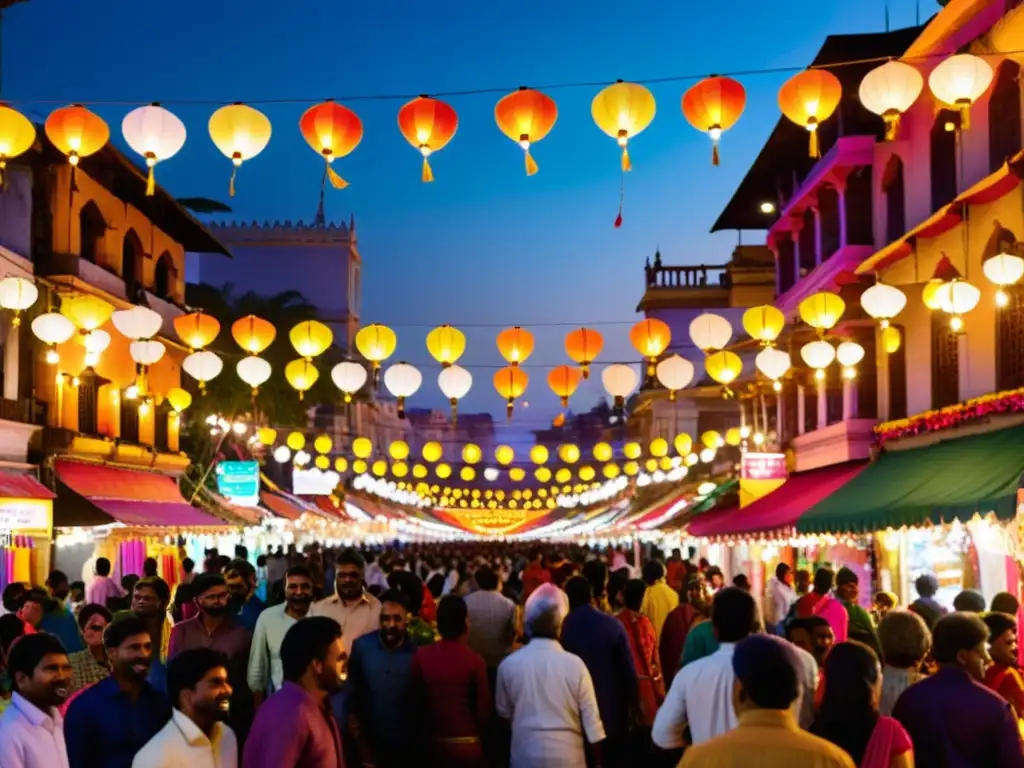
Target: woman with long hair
{"points": [[849, 717]]}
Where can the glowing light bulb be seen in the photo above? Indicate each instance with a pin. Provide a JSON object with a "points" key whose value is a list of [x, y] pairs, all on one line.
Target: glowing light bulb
{"points": [[758, 438], [777, 386], [849, 372], [91, 358], [52, 357], [74, 381], [132, 392], [1001, 298], [956, 323], [239, 428], [819, 374]]}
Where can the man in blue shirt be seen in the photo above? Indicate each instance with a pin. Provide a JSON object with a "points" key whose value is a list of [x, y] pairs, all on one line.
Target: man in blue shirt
{"points": [[112, 720], [379, 672], [241, 580]]}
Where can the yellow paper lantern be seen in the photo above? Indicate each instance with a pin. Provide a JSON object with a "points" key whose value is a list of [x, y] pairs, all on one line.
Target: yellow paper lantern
{"points": [[631, 468], [266, 435], [517, 474], [443, 471], [376, 343], [504, 455], [632, 450], [733, 436], [17, 135], [563, 475], [822, 310], [471, 453], [587, 473], [539, 454], [359, 466], [296, 441], [379, 468], [603, 452], [611, 471], [659, 447], [764, 323], [399, 469], [712, 439], [543, 474], [240, 133], [723, 366], [181, 399], [399, 450], [891, 339], [683, 443], [468, 474], [651, 465], [323, 444], [665, 463], [341, 464], [362, 448], [622, 111], [569, 453], [322, 462], [302, 375], [87, 312], [419, 471], [310, 338], [446, 344]]}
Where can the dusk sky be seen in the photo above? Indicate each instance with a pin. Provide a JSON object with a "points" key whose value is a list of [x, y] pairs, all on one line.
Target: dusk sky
{"points": [[483, 244]]}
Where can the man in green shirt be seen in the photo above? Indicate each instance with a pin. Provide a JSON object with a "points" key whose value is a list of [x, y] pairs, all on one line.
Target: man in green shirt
{"points": [[862, 629]]}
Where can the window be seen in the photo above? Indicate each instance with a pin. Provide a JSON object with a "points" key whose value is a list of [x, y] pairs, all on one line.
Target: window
{"points": [[129, 420], [943, 158], [92, 230], [945, 362], [828, 213], [163, 278], [88, 394], [810, 404], [1010, 340], [895, 200], [808, 243], [898, 381], [857, 200], [1004, 115], [131, 264], [787, 271]]}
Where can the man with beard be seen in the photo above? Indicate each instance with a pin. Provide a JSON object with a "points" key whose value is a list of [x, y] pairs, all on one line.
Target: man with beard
{"points": [[150, 598], [380, 672], [112, 720], [245, 606], [295, 728], [31, 730], [356, 610], [197, 681], [265, 668]]}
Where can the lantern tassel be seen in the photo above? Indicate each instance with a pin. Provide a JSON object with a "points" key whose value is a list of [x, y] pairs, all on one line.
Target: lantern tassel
{"points": [[428, 173], [3, 176], [531, 164], [626, 164], [814, 151], [336, 181], [622, 196], [509, 408], [586, 371], [714, 153], [231, 184], [892, 126], [151, 182], [965, 117]]}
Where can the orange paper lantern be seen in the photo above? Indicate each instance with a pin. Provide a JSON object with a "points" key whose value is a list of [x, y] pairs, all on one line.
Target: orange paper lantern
{"points": [[515, 344], [564, 381], [76, 132], [650, 337], [333, 131], [583, 346], [526, 116], [427, 124], [197, 329], [714, 105], [253, 334], [511, 382], [808, 98]]}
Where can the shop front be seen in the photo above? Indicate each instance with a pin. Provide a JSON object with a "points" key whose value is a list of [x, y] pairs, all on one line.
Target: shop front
{"points": [[26, 527]]}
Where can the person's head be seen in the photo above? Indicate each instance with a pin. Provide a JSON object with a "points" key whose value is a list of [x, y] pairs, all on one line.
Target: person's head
{"points": [[39, 669], [1004, 602], [596, 572], [241, 552], [149, 567], [765, 672], [799, 634], [733, 615], [348, 574], [784, 573], [926, 585], [970, 600], [847, 585], [188, 565], [653, 572], [128, 582], [240, 577], [393, 618], [823, 580], [129, 649], [211, 594], [92, 621], [298, 588], [848, 711], [579, 591], [312, 652], [697, 592], [486, 578], [960, 639], [77, 591], [715, 577], [802, 581], [411, 587], [452, 617], [814, 634], [197, 684], [33, 606], [885, 602], [1002, 638], [676, 553], [102, 566], [57, 583], [740, 581], [904, 638], [150, 597], [544, 612], [633, 594]]}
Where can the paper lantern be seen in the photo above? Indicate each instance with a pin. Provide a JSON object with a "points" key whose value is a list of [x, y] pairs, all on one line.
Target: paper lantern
{"points": [[764, 323], [376, 343], [147, 352], [622, 111], [253, 334], [362, 448], [733, 436], [504, 455], [563, 475], [443, 471], [583, 346], [359, 467], [349, 377], [402, 381], [712, 439], [517, 475], [619, 380], [883, 302], [568, 453], [891, 339], [310, 338], [957, 298], [650, 337], [467, 474], [202, 366], [341, 464], [471, 453], [196, 329], [610, 471], [419, 471], [515, 344], [379, 468], [446, 344], [454, 383], [723, 366], [155, 133], [564, 381], [849, 354], [52, 328], [808, 98], [428, 124], [1002, 270], [890, 90], [254, 371], [398, 450], [179, 399], [543, 474], [332, 131], [301, 375], [323, 444], [76, 132], [322, 463], [526, 116], [586, 474], [432, 451], [819, 356], [709, 331], [240, 133], [266, 435], [603, 452], [659, 447], [137, 322], [95, 343], [959, 81], [88, 313], [683, 443], [17, 135], [773, 363], [713, 106], [17, 294], [632, 450], [539, 454], [675, 373], [510, 382], [822, 310]]}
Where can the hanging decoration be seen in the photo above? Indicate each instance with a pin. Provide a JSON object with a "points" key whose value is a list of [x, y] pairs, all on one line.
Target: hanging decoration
{"points": [[137, 322], [181, 399], [446, 344], [454, 383], [310, 338], [930, 292], [564, 381], [87, 312], [713, 106], [1003, 270], [428, 125], [16, 295], [253, 334], [197, 329], [504, 455], [959, 81], [650, 337], [883, 302], [809, 98], [710, 332], [822, 311], [724, 367], [891, 339], [763, 323], [52, 328], [402, 381], [818, 355], [302, 375], [774, 363], [623, 110], [956, 298], [619, 381], [332, 131], [526, 116], [583, 346], [76, 132], [155, 133], [510, 382], [849, 354], [675, 373], [349, 377], [240, 133], [889, 91], [17, 135], [376, 343], [202, 366], [515, 345]]}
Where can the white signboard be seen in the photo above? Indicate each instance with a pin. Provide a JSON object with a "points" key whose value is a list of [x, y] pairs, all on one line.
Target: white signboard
{"points": [[19, 516]]}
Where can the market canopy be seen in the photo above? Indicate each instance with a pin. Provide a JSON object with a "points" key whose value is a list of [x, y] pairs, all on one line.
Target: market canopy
{"points": [[950, 480], [15, 484]]}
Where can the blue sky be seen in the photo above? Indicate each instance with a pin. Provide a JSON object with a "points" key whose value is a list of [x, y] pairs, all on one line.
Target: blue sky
{"points": [[483, 244]]}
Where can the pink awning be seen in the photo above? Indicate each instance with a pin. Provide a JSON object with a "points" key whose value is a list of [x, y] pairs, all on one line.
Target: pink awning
{"points": [[779, 510], [21, 485]]}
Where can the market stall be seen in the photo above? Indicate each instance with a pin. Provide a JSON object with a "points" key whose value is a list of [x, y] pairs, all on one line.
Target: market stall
{"points": [[26, 525]]}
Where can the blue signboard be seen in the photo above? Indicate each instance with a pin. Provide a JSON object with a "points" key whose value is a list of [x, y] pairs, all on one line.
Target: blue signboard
{"points": [[239, 481]]}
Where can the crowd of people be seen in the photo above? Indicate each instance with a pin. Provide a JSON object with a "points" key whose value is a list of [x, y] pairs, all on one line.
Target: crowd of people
{"points": [[477, 655]]}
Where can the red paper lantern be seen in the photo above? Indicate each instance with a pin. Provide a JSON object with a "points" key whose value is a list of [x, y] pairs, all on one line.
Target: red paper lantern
{"points": [[526, 116], [427, 124], [714, 105], [333, 131]]}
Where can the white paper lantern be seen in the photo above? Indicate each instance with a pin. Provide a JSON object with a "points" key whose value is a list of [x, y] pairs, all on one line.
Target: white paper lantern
{"points": [[818, 355], [146, 352], [53, 328], [710, 331], [1003, 269], [402, 380], [883, 302], [254, 371], [675, 373], [773, 362], [349, 377], [958, 297], [454, 382], [17, 294], [137, 322], [282, 454], [959, 81], [849, 353], [890, 90], [619, 380], [491, 474], [156, 134], [96, 342], [202, 366]]}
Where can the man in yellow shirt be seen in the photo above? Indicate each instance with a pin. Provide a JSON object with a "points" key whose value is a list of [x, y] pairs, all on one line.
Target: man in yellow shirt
{"points": [[764, 691], [659, 599]]}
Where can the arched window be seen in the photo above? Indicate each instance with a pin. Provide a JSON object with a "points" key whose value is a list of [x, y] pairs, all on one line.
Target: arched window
{"points": [[945, 362], [163, 277], [131, 264], [943, 158], [1004, 115], [895, 199], [88, 393], [129, 420], [93, 230]]}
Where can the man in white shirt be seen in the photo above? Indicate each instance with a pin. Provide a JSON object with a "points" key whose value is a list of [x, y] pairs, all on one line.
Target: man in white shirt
{"points": [[195, 736], [778, 598], [32, 730], [356, 610], [265, 653], [547, 692]]}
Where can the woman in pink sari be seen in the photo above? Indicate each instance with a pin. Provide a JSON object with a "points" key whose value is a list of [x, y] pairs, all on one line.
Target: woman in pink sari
{"points": [[848, 715]]}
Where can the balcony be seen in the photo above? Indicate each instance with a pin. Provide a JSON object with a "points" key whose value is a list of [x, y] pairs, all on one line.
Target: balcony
{"points": [[701, 286]]}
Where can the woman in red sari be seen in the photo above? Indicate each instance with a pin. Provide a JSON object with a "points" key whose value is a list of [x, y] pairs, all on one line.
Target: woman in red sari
{"points": [[644, 646]]}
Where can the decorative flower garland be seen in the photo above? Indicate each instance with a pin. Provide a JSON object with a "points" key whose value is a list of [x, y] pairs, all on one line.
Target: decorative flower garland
{"points": [[1009, 401]]}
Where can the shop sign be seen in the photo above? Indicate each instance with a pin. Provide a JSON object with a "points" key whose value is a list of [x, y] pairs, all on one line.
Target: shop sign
{"points": [[23, 515], [239, 482], [764, 466]]}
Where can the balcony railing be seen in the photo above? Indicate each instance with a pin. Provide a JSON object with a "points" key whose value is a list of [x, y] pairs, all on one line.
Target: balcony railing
{"points": [[702, 276], [23, 411]]}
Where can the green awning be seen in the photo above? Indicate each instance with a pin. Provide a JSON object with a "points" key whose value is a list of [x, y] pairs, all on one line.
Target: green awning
{"points": [[950, 480], [714, 498]]}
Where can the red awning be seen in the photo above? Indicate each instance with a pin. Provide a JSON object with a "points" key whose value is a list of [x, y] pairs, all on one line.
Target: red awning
{"points": [[323, 503], [280, 506], [132, 497], [21, 485], [779, 510]]}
